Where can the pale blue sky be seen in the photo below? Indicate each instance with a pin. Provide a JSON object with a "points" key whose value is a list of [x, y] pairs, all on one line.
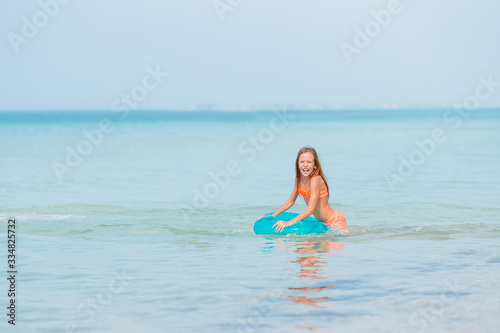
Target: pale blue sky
{"points": [[264, 52]]}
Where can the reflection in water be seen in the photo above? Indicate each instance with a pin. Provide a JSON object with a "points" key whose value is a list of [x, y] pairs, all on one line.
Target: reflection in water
{"points": [[312, 261], [311, 264], [312, 301], [313, 288], [311, 328]]}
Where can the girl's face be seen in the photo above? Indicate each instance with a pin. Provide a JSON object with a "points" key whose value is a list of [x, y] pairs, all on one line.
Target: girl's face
{"points": [[306, 164]]}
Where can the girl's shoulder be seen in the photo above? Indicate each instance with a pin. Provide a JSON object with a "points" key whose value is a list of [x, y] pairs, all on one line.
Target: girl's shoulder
{"points": [[317, 178]]}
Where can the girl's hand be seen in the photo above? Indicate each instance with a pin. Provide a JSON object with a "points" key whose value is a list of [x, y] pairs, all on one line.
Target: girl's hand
{"points": [[280, 225]]}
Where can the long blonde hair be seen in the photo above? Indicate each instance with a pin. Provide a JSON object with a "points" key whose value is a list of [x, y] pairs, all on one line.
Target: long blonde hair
{"points": [[317, 163]]}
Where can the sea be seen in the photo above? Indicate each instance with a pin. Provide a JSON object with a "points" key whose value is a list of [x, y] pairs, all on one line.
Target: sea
{"points": [[142, 221]]}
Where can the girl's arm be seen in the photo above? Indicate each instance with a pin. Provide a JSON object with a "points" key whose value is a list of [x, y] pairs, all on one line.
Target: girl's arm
{"points": [[314, 188], [289, 203]]}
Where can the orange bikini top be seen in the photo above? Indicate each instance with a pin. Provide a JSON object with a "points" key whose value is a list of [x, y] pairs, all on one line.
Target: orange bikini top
{"points": [[306, 194]]}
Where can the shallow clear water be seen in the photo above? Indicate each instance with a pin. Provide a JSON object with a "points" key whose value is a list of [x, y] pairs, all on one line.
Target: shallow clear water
{"points": [[140, 236]]}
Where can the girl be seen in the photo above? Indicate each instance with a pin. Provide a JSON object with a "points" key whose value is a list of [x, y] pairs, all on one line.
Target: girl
{"points": [[310, 183]]}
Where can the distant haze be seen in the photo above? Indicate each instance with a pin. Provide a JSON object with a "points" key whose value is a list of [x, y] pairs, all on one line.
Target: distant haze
{"points": [[240, 54]]}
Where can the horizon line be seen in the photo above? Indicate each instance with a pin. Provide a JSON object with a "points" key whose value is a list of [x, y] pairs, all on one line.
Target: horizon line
{"points": [[295, 108]]}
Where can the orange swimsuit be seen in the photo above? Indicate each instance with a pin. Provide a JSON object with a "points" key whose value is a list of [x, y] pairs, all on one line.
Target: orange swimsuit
{"points": [[306, 194], [337, 219]]}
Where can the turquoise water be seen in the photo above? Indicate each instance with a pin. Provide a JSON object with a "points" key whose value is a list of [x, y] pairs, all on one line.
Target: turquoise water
{"points": [[151, 228]]}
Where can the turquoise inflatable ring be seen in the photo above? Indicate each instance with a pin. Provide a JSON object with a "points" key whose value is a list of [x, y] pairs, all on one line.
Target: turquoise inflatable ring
{"points": [[309, 225]]}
